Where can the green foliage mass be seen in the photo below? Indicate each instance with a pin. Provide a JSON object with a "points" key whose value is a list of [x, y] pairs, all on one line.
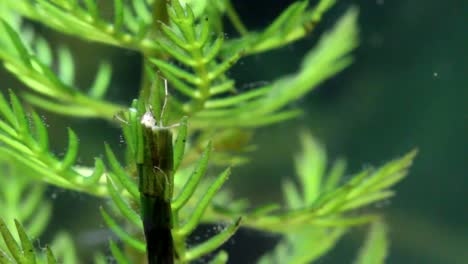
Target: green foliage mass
{"points": [[181, 43]]}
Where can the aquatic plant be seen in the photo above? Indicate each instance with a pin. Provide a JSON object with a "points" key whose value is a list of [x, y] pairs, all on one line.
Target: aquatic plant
{"points": [[188, 117]]}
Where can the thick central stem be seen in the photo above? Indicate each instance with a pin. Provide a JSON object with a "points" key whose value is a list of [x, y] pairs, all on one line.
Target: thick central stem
{"points": [[156, 186]]}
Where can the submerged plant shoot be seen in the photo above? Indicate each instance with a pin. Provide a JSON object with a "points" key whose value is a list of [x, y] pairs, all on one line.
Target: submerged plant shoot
{"points": [[185, 133]]}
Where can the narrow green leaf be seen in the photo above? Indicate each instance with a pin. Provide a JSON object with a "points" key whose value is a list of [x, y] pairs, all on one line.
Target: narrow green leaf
{"points": [[19, 46], [317, 12], [21, 124], [389, 181], [40, 171], [213, 243], [174, 37], [178, 54], [181, 86], [10, 242], [8, 132], [141, 31], [375, 249], [66, 4], [292, 195], [122, 234], [64, 248], [122, 205], [66, 66], [225, 86], [98, 172], [142, 11], [235, 19], [31, 200], [264, 210], [46, 81], [220, 258], [41, 133], [37, 224], [244, 120], [310, 167], [6, 111], [121, 174], [194, 219], [192, 183], [334, 175], [235, 100], [62, 108], [179, 146], [297, 18], [27, 247], [224, 66], [205, 34], [118, 14], [385, 176], [91, 5], [331, 201], [178, 9], [115, 180], [327, 241], [130, 20], [293, 10], [182, 74], [43, 51], [100, 259], [189, 15], [367, 199], [393, 172], [72, 151], [118, 254], [50, 256], [214, 50], [101, 82], [4, 258]]}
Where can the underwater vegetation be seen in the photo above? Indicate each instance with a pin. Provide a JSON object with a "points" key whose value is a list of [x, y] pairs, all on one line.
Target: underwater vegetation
{"points": [[184, 134]]}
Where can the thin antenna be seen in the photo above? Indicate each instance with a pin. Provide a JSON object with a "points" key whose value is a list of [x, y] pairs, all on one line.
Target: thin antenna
{"points": [[149, 120], [119, 118], [151, 94]]}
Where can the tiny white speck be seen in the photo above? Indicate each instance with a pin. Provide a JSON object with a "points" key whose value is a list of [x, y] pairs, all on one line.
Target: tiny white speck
{"points": [[435, 74]]}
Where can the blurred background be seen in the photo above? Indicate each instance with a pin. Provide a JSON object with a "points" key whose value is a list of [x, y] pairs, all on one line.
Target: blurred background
{"points": [[406, 89]]}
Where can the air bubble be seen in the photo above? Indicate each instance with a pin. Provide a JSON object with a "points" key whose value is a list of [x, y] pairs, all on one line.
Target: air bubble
{"points": [[44, 121], [382, 204]]}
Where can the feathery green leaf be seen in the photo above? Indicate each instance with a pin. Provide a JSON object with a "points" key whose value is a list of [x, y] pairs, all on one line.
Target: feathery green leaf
{"points": [[212, 243], [192, 182], [374, 250], [122, 234], [194, 219]]}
